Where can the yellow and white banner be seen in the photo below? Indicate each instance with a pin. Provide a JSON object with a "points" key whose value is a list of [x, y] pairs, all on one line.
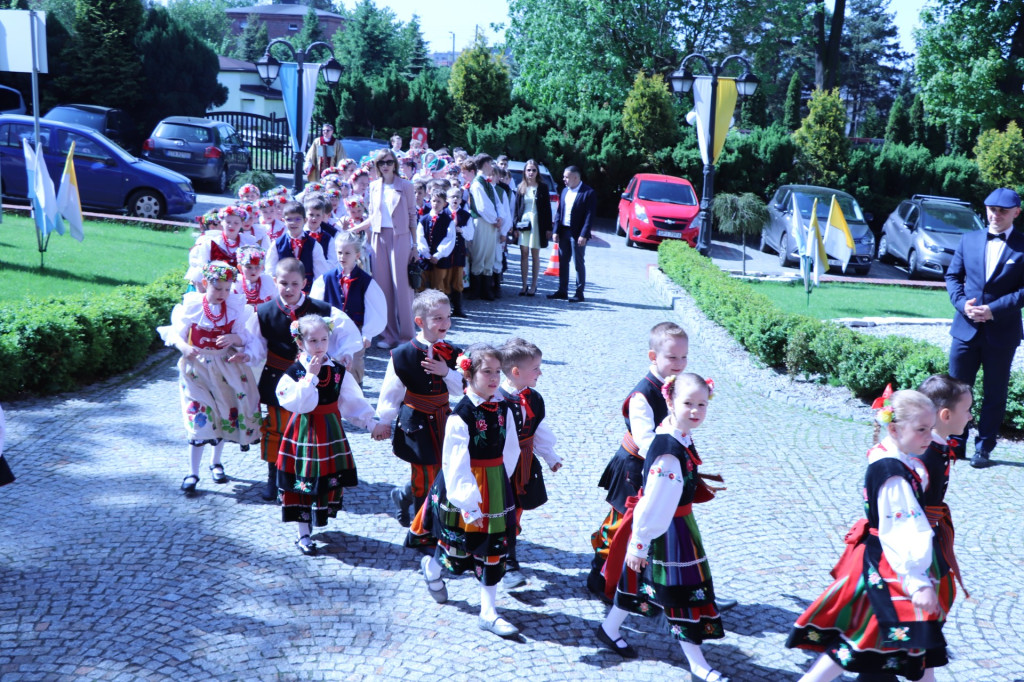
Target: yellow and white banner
{"points": [[724, 108], [838, 240]]}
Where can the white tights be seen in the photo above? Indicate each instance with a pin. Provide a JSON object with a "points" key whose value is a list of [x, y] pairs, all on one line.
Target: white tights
{"points": [[488, 593], [826, 670], [196, 455], [694, 656]]}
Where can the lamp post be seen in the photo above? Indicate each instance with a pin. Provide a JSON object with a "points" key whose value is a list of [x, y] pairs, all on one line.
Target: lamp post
{"points": [[453, 46], [268, 68], [682, 82]]}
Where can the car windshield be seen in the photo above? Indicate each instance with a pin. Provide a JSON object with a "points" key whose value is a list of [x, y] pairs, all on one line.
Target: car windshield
{"points": [[89, 119], [850, 207], [950, 218], [180, 131], [666, 193]]}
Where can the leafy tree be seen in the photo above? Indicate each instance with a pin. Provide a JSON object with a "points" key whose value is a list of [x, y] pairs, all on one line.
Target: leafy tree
{"points": [[792, 114], [897, 130], [414, 55], [1000, 157], [479, 85], [649, 117], [821, 140], [754, 111], [871, 59], [370, 43], [179, 70], [208, 20], [970, 66], [916, 123], [252, 43], [740, 214], [311, 31], [826, 50], [108, 67], [872, 123], [430, 105]]}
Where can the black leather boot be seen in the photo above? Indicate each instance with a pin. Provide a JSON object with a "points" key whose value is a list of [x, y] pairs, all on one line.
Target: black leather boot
{"points": [[270, 491]]}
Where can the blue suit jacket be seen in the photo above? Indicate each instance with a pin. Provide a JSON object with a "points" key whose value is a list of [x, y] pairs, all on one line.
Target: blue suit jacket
{"points": [[1003, 293], [584, 209]]}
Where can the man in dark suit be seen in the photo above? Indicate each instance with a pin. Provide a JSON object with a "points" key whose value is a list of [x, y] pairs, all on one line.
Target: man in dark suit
{"points": [[985, 282], [573, 221]]}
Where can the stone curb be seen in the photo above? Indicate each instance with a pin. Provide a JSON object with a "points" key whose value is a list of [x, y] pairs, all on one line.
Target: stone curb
{"points": [[733, 361]]}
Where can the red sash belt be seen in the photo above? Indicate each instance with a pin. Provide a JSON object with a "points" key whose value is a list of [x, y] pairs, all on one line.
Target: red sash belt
{"points": [[491, 462], [436, 405], [329, 408], [275, 361], [683, 510], [942, 524], [851, 559], [630, 446], [521, 476]]}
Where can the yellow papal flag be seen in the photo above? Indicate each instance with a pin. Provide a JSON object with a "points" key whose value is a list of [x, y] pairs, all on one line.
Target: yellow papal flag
{"points": [[838, 240]]}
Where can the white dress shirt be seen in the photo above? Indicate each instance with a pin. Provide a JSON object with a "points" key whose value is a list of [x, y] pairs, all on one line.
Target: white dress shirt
{"points": [[994, 251]]}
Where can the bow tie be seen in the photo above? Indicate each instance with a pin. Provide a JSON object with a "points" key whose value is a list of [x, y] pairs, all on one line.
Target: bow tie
{"points": [[346, 282], [525, 403], [433, 220], [443, 350], [314, 235], [993, 235], [297, 246]]}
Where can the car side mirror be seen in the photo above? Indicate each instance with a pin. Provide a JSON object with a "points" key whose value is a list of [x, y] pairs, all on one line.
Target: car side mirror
{"points": [[910, 226], [109, 162], [868, 217], [626, 196]]}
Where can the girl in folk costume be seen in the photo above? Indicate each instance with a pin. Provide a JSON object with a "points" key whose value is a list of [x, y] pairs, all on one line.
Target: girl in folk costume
{"points": [[271, 219], [657, 560], [883, 613], [256, 285], [219, 245], [252, 227], [323, 153], [471, 505], [249, 193], [218, 338], [315, 463]]}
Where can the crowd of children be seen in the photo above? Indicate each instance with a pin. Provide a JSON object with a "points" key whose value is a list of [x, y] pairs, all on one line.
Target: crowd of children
{"points": [[302, 326]]}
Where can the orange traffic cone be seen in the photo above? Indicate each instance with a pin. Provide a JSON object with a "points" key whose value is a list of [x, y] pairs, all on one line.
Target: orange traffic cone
{"points": [[553, 263]]}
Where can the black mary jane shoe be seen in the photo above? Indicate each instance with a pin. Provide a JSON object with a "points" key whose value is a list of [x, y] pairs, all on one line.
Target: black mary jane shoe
{"points": [[189, 483], [626, 651], [307, 550], [217, 473], [524, 292]]}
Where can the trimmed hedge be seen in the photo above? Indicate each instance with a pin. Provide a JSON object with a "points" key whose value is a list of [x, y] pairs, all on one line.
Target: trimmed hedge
{"points": [[805, 345], [56, 344]]}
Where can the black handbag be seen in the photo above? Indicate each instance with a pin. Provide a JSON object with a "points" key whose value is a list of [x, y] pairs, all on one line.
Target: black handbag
{"points": [[415, 274]]}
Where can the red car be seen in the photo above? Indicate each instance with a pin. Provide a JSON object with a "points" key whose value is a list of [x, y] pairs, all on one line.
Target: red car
{"points": [[656, 207]]}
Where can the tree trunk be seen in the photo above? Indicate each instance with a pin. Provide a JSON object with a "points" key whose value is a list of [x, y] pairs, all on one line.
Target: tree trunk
{"points": [[826, 51], [819, 45]]}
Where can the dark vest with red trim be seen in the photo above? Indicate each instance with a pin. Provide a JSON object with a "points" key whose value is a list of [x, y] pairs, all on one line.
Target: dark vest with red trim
{"points": [[275, 326], [283, 246], [353, 303], [435, 234], [650, 388]]}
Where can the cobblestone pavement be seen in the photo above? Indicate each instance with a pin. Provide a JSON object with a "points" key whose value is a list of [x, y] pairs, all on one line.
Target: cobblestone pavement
{"points": [[110, 574]]}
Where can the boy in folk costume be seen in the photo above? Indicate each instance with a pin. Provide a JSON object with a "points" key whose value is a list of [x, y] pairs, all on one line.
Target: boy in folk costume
{"points": [[298, 244], [322, 154], [484, 207]]}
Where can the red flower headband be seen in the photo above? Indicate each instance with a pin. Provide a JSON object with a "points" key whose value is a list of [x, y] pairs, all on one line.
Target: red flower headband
{"points": [[236, 211], [246, 189]]}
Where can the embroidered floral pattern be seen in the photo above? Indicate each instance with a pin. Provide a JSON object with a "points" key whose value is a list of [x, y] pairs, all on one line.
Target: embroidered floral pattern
{"points": [[698, 593], [899, 634], [676, 631], [813, 636], [905, 514], [843, 654], [874, 578], [647, 589]]}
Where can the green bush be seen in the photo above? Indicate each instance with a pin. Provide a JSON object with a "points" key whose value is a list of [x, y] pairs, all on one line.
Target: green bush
{"points": [[57, 344], [261, 179]]}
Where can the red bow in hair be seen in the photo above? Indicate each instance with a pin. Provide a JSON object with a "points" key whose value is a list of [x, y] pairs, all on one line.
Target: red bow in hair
{"points": [[880, 402], [524, 401], [443, 350]]}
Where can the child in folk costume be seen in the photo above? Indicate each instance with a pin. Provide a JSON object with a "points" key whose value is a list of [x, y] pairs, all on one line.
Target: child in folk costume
{"points": [[352, 291], [315, 463], [274, 319], [464, 232], [317, 208], [257, 286], [471, 507], [435, 241], [252, 227], [484, 207], [219, 245], [270, 220], [218, 338], [355, 206], [520, 363], [657, 561], [249, 193], [296, 243], [883, 614], [644, 410], [420, 376]]}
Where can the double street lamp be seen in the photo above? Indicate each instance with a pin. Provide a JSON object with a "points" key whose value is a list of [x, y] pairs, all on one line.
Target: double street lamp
{"points": [[268, 68], [682, 82]]}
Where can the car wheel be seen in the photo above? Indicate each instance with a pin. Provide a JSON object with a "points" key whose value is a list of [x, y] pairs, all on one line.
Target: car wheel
{"points": [[913, 265], [784, 260], [220, 185], [629, 241], [883, 250], [145, 203], [862, 270], [618, 228]]}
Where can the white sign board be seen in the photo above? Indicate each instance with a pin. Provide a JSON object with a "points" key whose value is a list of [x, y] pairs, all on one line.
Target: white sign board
{"points": [[16, 40]]}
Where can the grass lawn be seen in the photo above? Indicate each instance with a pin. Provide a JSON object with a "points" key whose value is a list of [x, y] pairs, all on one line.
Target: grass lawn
{"points": [[111, 255], [839, 299]]}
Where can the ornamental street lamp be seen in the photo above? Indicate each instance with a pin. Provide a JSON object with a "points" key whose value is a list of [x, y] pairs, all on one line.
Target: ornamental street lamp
{"points": [[268, 69], [682, 82]]}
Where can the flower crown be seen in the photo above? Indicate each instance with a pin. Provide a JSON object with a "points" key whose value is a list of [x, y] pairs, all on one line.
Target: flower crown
{"points": [[884, 413], [208, 219], [313, 187], [219, 271], [248, 206], [361, 173], [279, 191], [354, 201], [464, 363], [237, 211], [246, 189], [282, 199], [293, 328], [250, 255], [331, 170], [331, 178], [266, 202], [332, 193]]}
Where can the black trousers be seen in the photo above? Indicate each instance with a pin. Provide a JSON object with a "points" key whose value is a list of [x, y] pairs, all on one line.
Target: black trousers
{"points": [[965, 359], [569, 249]]}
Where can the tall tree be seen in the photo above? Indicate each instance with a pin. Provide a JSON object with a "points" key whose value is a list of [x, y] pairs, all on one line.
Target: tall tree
{"points": [[871, 59], [821, 141], [414, 55], [311, 31], [970, 65], [826, 48], [480, 85], [897, 129], [252, 43], [648, 116], [792, 111], [207, 19], [109, 66], [370, 43]]}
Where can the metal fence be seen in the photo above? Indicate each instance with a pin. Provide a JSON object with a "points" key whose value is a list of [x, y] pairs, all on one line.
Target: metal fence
{"points": [[266, 136]]}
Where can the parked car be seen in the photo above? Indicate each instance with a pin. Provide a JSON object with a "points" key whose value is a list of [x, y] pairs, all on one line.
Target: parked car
{"points": [[554, 189], [777, 235], [656, 207], [924, 231], [200, 149], [109, 178], [358, 147], [115, 124], [11, 101]]}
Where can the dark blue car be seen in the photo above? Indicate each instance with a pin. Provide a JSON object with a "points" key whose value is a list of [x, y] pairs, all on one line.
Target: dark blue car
{"points": [[109, 178]]}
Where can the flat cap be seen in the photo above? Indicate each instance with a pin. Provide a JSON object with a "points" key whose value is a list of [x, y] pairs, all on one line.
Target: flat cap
{"points": [[1003, 198]]}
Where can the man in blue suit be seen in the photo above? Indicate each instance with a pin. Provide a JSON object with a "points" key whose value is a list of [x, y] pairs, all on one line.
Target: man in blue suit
{"points": [[985, 281], [573, 220]]}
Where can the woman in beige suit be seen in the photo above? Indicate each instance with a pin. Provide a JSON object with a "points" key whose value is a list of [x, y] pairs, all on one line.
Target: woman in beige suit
{"points": [[392, 222]]}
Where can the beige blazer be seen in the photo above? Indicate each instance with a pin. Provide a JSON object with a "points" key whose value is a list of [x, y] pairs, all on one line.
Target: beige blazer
{"points": [[403, 208]]}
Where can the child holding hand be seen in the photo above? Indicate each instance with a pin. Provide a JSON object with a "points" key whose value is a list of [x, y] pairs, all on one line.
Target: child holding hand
{"points": [[883, 614], [471, 508], [665, 567], [218, 337], [520, 363], [315, 462], [257, 286]]}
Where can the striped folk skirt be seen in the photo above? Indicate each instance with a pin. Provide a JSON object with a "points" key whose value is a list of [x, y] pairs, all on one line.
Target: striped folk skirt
{"points": [[314, 464]]}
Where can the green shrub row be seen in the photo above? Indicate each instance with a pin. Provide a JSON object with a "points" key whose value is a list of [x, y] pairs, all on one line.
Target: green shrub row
{"points": [[56, 344], [805, 345]]}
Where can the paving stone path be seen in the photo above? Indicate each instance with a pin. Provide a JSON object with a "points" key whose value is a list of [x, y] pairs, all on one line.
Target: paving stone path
{"points": [[108, 573]]}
